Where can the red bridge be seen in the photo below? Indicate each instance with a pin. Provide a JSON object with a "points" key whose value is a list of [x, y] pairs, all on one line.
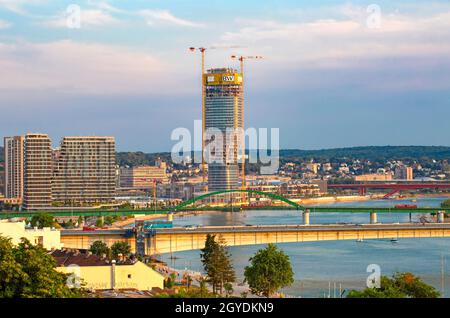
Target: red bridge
{"points": [[393, 187]]}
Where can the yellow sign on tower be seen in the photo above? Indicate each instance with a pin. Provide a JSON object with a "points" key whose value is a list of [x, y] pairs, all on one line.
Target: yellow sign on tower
{"points": [[222, 79]]}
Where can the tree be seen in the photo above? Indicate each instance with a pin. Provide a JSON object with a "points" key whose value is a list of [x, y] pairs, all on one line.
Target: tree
{"points": [[100, 248], [28, 271], [99, 222], [120, 248], [401, 285], [217, 263], [42, 220], [445, 204], [269, 271], [228, 289], [80, 221]]}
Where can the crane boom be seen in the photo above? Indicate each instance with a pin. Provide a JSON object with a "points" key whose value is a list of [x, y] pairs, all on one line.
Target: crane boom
{"points": [[241, 60]]}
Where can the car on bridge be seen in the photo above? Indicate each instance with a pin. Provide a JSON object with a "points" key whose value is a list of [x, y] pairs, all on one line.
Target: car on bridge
{"points": [[406, 206]]}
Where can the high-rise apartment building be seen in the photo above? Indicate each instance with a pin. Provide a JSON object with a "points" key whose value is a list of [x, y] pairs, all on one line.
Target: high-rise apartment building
{"points": [[37, 176], [84, 170], [13, 180], [403, 172], [224, 112]]}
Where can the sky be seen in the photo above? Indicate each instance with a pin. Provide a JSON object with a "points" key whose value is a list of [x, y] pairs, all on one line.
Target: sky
{"points": [[334, 73]]}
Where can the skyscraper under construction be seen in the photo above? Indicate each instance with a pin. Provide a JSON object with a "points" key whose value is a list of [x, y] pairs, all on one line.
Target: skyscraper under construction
{"points": [[224, 113]]}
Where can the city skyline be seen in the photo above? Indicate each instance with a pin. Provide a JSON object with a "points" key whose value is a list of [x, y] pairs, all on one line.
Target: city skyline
{"points": [[127, 71]]}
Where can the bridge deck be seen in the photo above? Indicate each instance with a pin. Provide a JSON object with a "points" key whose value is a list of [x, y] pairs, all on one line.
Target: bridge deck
{"points": [[318, 209], [182, 239]]}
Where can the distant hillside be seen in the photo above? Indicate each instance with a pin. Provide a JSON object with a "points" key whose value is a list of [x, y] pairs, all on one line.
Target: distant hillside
{"points": [[139, 158], [381, 153], [374, 153]]}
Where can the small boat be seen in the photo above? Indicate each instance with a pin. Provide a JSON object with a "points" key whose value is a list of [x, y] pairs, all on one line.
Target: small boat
{"points": [[394, 240], [359, 240]]}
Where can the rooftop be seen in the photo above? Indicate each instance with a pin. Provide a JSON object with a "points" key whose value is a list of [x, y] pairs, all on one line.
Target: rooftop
{"points": [[66, 257]]}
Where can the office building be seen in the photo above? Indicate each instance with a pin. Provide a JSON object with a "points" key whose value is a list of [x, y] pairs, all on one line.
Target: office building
{"points": [[84, 171], [223, 112], [13, 177], [143, 177], [37, 176]]}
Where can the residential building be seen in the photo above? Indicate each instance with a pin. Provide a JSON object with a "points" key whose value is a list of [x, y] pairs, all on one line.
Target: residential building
{"points": [[13, 175], [403, 172], [327, 167], [374, 177], [85, 171], [313, 167], [37, 177], [99, 273], [48, 238]]}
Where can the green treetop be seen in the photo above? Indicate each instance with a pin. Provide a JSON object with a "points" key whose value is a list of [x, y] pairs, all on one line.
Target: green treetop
{"points": [[401, 285], [270, 269], [28, 271], [217, 263]]}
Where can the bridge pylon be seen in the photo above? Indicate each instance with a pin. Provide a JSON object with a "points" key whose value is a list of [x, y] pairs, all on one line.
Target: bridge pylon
{"points": [[306, 217]]}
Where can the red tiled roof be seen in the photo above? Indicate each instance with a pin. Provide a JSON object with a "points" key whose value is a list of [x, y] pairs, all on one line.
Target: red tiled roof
{"points": [[70, 257]]}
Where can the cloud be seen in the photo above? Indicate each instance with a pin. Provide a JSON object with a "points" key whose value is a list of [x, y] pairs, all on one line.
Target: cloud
{"points": [[4, 24], [103, 5], [68, 67], [340, 40], [154, 17], [88, 18], [17, 6]]}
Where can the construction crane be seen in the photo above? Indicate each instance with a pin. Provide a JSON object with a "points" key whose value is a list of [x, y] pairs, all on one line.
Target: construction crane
{"points": [[241, 59], [202, 50]]}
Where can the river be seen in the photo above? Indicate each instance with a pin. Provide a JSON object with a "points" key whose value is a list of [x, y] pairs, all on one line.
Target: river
{"points": [[323, 268]]}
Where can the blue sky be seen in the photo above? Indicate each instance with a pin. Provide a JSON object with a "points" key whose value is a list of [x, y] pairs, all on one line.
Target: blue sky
{"points": [[330, 77]]}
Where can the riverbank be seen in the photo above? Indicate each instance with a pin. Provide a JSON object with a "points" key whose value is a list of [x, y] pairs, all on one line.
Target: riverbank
{"points": [[130, 221], [238, 288]]}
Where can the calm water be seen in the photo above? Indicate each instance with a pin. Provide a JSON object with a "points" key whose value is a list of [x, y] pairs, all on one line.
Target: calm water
{"points": [[319, 265]]}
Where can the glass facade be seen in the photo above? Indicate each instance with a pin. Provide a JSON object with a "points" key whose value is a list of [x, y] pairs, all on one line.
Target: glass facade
{"points": [[223, 113]]}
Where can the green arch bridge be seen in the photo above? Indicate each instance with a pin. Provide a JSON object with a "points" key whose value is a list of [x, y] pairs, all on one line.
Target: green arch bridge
{"points": [[183, 207], [262, 193]]}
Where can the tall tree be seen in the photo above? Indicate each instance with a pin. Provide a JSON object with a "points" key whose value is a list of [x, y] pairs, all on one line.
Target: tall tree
{"points": [[100, 248], [400, 285], [120, 248], [28, 271], [217, 263], [270, 269], [445, 204], [42, 220]]}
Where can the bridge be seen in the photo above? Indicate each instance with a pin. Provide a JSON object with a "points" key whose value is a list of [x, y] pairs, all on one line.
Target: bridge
{"points": [[184, 207], [392, 187], [182, 239]]}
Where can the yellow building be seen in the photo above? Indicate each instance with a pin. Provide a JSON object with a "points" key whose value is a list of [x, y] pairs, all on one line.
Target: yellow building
{"points": [[374, 177], [99, 273], [48, 238]]}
